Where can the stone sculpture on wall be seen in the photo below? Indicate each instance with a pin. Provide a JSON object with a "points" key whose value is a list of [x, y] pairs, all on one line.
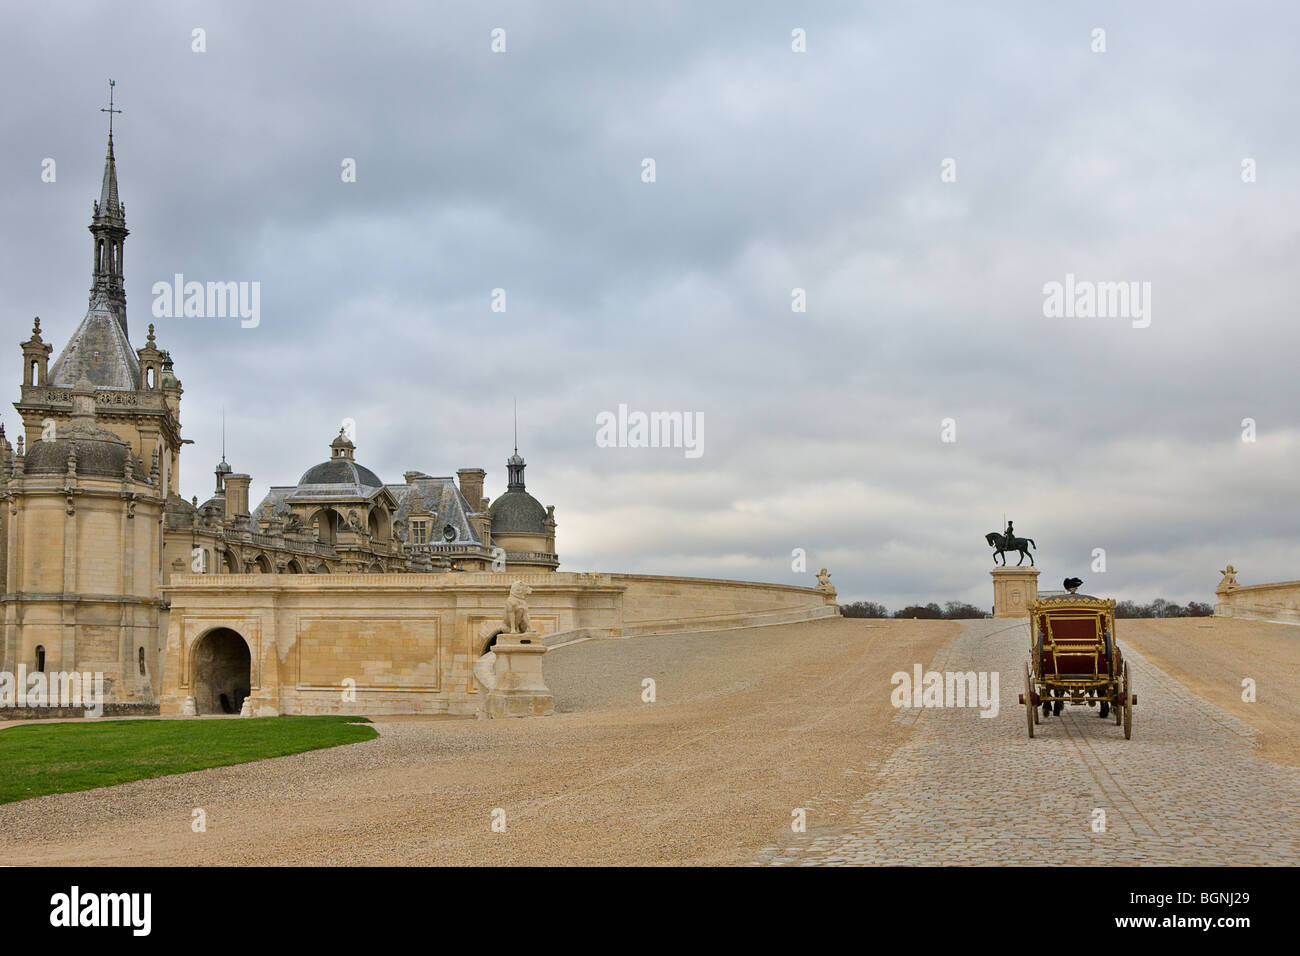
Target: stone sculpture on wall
{"points": [[1229, 579], [516, 616]]}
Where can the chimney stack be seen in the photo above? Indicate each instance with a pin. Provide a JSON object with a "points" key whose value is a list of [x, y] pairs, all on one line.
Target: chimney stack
{"points": [[237, 498], [471, 486]]}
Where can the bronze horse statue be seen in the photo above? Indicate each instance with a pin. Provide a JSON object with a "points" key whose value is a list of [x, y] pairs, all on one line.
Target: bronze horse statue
{"points": [[1000, 544]]}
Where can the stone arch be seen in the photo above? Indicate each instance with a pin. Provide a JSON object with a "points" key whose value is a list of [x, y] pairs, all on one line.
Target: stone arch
{"points": [[379, 523], [261, 564], [489, 631], [221, 667], [294, 566], [324, 523], [233, 564]]}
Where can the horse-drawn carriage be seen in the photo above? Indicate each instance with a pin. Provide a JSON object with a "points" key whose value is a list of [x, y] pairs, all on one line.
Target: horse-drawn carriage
{"points": [[1075, 660]]}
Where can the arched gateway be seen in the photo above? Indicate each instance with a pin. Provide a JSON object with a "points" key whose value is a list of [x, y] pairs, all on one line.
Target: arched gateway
{"points": [[221, 666]]}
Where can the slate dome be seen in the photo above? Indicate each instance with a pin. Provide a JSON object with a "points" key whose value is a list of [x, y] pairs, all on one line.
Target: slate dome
{"points": [[517, 512], [341, 476], [98, 452]]}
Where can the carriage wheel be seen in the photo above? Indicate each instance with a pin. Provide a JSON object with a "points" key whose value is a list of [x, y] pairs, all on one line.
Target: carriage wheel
{"points": [[1031, 711], [1128, 705]]}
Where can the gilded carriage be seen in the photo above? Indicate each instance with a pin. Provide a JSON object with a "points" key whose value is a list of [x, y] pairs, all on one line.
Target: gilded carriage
{"points": [[1076, 661]]}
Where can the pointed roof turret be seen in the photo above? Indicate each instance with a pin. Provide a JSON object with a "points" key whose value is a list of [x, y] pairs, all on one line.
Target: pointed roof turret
{"points": [[109, 206], [100, 347]]}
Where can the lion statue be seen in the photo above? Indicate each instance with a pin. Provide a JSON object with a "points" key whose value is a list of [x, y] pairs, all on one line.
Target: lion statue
{"points": [[517, 621]]}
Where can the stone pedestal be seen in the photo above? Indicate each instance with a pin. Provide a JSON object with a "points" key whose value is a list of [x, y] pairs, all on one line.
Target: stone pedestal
{"points": [[518, 689], [1014, 589], [188, 708]]}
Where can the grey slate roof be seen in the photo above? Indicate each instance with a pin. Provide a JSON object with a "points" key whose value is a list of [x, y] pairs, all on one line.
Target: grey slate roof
{"points": [[337, 478], [517, 512], [443, 499], [437, 496], [275, 498], [100, 349]]}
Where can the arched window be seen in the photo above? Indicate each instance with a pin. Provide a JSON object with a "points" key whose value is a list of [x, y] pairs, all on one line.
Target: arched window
{"points": [[148, 378], [36, 369], [142, 662], [40, 658]]}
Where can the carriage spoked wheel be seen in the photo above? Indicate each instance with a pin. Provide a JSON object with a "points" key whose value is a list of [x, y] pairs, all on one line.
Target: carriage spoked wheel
{"points": [[1128, 705], [1031, 712]]}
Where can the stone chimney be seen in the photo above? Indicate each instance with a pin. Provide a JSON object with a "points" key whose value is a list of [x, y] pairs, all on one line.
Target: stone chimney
{"points": [[471, 486], [237, 499]]}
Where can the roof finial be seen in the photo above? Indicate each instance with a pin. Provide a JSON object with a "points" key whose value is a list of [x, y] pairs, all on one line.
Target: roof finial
{"points": [[516, 401], [223, 428], [110, 111]]}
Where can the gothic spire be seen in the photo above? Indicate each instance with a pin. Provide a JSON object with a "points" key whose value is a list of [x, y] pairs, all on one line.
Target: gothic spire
{"points": [[108, 226], [101, 347], [109, 206]]}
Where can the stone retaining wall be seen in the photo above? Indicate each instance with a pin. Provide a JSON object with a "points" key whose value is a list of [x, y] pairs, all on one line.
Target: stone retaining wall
{"points": [[407, 643], [1268, 602]]}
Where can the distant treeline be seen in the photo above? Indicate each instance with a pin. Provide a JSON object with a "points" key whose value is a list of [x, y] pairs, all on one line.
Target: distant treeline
{"points": [[1162, 608], [951, 611], [958, 610]]}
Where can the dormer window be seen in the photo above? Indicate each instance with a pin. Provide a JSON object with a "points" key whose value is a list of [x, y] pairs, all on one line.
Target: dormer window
{"points": [[419, 531]]}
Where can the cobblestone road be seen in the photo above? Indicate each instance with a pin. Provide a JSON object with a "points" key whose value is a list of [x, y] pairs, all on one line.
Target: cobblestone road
{"points": [[1187, 789]]}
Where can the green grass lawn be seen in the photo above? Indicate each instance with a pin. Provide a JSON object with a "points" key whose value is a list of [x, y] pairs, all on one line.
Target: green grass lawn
{"points": [[36, 759]]}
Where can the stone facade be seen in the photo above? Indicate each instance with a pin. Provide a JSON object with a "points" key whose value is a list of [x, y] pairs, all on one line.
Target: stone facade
{"points": [[93, 525], [82, 530], [341, 593]]}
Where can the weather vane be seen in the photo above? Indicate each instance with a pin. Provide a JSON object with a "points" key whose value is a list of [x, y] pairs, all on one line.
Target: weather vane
{"points": [[110, 111]]}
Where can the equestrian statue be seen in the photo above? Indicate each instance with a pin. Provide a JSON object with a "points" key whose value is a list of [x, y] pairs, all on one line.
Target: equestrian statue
{"points": [[1002, 543]]}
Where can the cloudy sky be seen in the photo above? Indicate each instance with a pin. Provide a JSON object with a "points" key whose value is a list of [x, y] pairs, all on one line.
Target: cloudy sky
{"points": [[774, 170]]}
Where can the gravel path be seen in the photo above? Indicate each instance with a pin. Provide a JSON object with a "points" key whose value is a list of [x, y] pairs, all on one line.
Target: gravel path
{"points": [[1189, 788], [747, 726]]}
